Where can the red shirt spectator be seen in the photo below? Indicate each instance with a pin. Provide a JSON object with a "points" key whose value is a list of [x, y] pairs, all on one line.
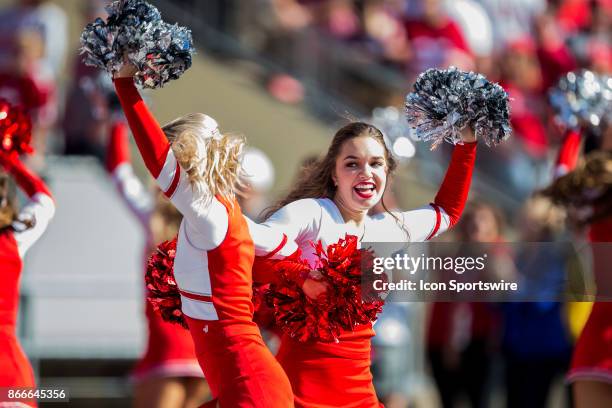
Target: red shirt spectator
{"points": [[22, 90], [433, 45]]}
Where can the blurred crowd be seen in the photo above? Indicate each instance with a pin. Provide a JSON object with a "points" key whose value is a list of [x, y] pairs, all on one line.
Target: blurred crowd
{"points": [[525, 45]]}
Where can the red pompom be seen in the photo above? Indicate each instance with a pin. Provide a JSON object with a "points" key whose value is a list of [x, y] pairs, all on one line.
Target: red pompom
{"points": [[344, 306], [162, 290], [15, 129]]}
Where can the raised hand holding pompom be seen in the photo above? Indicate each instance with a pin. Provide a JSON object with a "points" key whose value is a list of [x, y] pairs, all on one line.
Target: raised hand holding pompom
{"points": [[134, 29], [445, 102]]}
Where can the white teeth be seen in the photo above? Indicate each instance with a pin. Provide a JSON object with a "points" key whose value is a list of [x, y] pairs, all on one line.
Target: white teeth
{"points": [[365, 186]]}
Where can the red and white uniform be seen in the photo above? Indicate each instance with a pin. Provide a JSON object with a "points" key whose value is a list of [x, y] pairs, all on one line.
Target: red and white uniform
{"points": [[568, 154], [592, 359], [213, 269], [338, 375], [15, 369], [170, 351]]}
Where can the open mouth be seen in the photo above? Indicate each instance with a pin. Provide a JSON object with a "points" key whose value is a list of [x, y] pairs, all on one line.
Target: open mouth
{"points": [[365, 189]]}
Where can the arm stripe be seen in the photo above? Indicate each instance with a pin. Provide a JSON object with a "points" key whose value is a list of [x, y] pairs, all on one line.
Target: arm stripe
{"points": [[193, 296], [175, 182], [438, 222], [278, 248]]}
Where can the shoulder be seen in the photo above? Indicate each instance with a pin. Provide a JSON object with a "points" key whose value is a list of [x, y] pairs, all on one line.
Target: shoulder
{"points": [[305, 206], [385, 218]]}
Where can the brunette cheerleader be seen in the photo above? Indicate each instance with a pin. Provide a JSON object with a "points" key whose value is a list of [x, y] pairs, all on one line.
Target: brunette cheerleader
{"points": [[332, 200], [168, 374], [18, 232], [591, 368]]}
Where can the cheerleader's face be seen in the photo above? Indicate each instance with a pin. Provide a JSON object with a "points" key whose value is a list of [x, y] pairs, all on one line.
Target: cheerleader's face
{"points": [[360, 174]]}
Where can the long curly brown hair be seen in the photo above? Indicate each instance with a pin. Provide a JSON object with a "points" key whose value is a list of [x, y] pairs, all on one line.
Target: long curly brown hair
{"points": [[316, 179], [587, 190]]}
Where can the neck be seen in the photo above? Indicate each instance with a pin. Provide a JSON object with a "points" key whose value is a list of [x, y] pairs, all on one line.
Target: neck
{"points": [[349, 215]]}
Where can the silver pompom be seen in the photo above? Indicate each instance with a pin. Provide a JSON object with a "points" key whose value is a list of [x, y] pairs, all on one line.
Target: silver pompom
{"points": [[134, 29], [445, 101], [582, 98]]}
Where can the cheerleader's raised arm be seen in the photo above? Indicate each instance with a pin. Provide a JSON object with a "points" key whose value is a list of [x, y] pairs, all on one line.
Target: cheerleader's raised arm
{"points": [[426, 223], [40, 209], [207, 222]]}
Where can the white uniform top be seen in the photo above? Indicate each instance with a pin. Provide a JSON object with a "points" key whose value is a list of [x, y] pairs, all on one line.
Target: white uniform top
{"points": [[312, 220], [41, 209]]}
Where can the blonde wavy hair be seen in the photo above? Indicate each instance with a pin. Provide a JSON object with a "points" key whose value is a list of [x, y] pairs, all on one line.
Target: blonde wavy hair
{"points": [[213, 164]]}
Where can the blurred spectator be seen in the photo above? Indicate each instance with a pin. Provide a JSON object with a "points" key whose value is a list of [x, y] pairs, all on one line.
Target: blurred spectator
{"points": [[17, 85], [461, 336], [474, 23], [44, 17], [553, 54], [522, 78], [536, 340], [90, 102], [436, 40], [592, 42], [513, 19], [478, 30], [21, 83]]}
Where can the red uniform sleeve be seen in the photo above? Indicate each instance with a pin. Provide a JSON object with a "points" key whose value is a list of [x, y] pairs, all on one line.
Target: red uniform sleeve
{"points": [[454, 190], [568, 153], [150, 138], [118, 148], [30, 183]]}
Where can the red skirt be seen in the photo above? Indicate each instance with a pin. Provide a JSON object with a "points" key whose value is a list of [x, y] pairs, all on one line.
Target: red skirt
{"points": [[15, 368], [239, 368], [170, 351], [593, 353], [326, 375]]}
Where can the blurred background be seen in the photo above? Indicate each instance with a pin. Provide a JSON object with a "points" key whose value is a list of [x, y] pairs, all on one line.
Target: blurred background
{"points": [[287, 74]]}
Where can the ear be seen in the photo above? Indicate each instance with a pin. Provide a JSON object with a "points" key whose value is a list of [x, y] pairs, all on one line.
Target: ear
{"points": [[334, 178]]}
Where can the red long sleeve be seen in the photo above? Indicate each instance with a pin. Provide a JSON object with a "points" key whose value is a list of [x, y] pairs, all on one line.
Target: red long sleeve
{"points": [[25, 179], [150, 139], [118, 148], [568, 153], [454, 190]]}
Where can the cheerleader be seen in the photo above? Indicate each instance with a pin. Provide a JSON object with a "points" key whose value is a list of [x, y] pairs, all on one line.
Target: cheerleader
{"points": [[18, 232], [168, 374], [331, 200], [198, 170], [591, 368]]}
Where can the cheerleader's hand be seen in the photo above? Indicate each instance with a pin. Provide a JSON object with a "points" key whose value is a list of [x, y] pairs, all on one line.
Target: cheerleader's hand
{"points": [[468, 135], [314, 287], [127, 70]]}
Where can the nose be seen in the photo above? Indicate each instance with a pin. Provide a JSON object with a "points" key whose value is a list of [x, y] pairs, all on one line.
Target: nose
{"points": [[366, 171]]}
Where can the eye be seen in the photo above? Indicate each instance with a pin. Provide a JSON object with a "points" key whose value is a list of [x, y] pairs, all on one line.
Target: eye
{"points": [[378, 163], [351, 164]]}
